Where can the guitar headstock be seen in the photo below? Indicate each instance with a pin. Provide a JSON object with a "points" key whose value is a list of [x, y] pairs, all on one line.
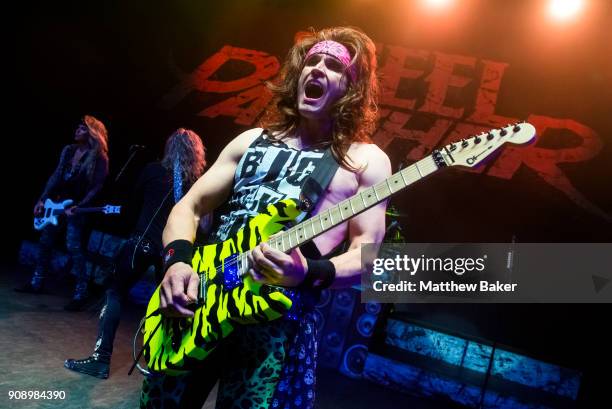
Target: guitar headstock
{"points": [[472, 151], [108, 209]]}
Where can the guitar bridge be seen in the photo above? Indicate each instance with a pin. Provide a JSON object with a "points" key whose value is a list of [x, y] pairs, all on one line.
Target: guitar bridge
{"points": [[202, 290]]}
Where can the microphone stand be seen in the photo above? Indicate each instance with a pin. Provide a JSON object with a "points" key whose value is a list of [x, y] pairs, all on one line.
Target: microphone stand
{"points": [[129, 159]]}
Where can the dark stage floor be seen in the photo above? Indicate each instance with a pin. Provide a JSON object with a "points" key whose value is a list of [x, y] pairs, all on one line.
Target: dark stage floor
{"points": [[37, 335]]}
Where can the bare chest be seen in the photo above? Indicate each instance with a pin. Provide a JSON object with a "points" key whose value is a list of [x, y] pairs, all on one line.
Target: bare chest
{"points": [[343, 185]]}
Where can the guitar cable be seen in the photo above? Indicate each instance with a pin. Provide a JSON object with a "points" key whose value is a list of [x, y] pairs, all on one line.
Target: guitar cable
{"points": [[135, 364], [148, 226], [143, 371]]}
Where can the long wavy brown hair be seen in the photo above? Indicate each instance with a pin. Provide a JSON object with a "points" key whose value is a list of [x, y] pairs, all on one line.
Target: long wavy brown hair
{"points": [[97, 142], [185, 146], [354, 115]]}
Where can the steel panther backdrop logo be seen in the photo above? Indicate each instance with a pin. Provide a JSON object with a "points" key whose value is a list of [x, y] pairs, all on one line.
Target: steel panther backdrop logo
{"points": [[428, 99]]}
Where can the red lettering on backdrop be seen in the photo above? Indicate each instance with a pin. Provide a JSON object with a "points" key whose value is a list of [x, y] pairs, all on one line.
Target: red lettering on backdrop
{"points": [[265, 67], [544, 161], [394, 70], [486, 96], [393, 127], [258, 97], [409, 64], [441, 79]]}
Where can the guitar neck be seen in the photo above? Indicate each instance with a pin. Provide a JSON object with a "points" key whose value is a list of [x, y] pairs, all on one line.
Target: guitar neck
{"points": [[348, 208], [468, 152], [88, 209]]}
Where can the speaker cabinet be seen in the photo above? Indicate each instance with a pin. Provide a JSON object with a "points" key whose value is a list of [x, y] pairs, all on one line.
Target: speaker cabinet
{"points": [[345, 327]]}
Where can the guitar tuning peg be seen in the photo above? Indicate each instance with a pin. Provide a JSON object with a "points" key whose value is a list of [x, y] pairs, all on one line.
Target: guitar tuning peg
{"points": [[503, 132], [516, 128], [489, 136], [464, 143]]}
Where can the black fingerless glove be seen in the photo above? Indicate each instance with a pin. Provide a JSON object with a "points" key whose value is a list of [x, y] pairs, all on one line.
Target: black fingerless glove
{"points": [[178, 251], [321, 274]]}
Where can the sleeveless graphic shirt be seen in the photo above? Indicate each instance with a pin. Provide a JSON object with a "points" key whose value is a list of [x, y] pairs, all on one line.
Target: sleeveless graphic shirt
{"points": [[267, 173]]}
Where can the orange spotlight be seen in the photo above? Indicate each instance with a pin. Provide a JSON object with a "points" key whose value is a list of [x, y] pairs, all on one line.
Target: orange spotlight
{"points": [[437, 4], [564, 10]]}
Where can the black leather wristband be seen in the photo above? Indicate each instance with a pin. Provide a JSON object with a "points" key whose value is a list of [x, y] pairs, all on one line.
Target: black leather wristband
{"points": [[178, 251], [321, 274]]}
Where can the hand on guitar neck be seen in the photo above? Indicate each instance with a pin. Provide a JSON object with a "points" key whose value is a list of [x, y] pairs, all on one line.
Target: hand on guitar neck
{"points": [[70, 211]]}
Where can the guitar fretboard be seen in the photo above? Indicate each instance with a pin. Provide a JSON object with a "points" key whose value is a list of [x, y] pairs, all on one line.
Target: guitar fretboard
{"points": [[90, 209], [341, 212], [57, 212]]}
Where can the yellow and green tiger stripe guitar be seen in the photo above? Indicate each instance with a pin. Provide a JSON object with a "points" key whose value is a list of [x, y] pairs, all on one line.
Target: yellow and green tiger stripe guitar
{"points": [[228, 296], [226, 299]]}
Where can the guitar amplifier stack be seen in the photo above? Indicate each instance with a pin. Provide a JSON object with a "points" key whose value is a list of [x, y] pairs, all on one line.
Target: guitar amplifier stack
{"points": [[345, 329]]}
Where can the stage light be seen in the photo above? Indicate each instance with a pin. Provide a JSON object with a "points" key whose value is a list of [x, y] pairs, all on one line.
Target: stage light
{"points": [[437, 4], [565, 9]]}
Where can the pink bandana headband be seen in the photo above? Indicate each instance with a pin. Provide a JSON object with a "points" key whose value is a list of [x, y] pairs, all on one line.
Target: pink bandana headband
{"points": [[337, 50]]}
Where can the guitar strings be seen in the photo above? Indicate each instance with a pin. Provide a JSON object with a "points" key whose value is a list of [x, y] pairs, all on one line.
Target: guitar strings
{"points": [[411, 171]]}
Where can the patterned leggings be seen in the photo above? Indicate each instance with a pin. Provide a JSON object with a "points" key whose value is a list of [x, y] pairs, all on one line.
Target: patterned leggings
{"points": [[74, 239], [259, 366]]}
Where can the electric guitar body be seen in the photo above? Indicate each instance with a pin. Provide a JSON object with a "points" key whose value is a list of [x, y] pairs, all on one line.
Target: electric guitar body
{"points": [[174, 345], [51, 213]]}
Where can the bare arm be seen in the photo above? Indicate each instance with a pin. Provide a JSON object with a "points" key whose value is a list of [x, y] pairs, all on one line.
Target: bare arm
{"points": [[180, 283], [367, 227], [275, 267]]}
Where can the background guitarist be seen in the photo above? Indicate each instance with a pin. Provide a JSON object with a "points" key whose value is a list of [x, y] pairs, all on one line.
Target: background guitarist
{"points": [[326, 95], [80, 174], [159, 186]]}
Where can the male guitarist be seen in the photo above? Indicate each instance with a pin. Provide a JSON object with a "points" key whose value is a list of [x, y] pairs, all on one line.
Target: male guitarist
{"points": [[159, 186], [79, 176], [325, 98]]}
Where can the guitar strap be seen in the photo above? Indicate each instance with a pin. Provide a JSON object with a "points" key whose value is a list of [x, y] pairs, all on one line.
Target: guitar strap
{"points": [[315, 184], [312, 191]]}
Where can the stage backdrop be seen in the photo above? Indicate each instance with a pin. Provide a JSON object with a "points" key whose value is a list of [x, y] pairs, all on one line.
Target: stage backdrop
{"points": [[146, 69]]}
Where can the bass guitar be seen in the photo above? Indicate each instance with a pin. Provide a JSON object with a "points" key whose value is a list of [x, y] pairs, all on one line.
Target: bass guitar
{"points": [[53, 210], [228, 296]]}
